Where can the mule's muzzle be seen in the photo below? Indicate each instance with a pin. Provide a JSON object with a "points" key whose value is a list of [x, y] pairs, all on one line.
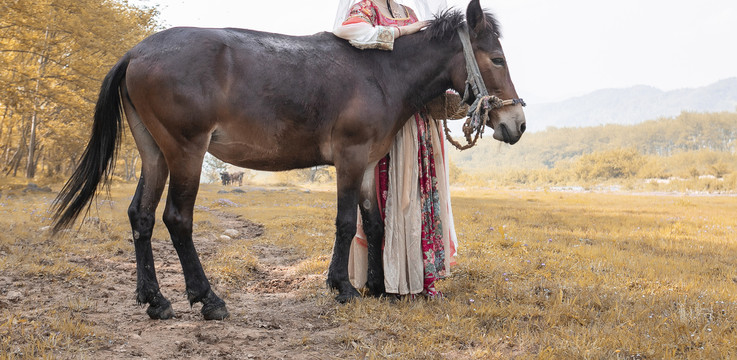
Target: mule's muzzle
{"points": [[511, 125], [511, 136]]}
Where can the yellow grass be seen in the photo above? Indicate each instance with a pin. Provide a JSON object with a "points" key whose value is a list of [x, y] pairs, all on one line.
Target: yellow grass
{"points": [[540, 274], [555, 275], [548, 275]]}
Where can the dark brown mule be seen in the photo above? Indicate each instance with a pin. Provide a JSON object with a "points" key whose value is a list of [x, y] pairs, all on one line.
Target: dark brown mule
{"points": [[271, 102]]}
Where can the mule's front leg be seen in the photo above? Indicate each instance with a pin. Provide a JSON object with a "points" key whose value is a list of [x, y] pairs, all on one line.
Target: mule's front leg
{"points": [[349, 168], [345, 225]]}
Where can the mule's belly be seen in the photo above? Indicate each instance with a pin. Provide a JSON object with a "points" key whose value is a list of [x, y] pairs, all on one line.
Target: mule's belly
{"points": [[275, 153], [271, 162]]}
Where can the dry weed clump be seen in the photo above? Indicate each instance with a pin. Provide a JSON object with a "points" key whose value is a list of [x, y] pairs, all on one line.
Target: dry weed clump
{"points": [[232, 265], [44, 336], [28, 257]]}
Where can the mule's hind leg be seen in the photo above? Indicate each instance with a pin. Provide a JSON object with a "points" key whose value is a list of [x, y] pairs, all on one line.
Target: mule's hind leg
{"points": [[183, 186], [374, 228], [142, 217]]}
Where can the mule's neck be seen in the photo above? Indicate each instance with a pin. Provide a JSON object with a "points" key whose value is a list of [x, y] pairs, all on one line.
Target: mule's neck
{"points": [[424, 68]]}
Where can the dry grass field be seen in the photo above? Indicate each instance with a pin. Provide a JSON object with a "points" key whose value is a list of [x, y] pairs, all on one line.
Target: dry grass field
{"points": [[547, 275]]}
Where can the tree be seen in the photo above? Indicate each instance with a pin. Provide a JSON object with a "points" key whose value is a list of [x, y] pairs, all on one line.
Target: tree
{"points": [[211, 169], [53, 56]]}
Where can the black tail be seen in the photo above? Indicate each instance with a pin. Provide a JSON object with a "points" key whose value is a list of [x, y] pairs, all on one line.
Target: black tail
{"points": [[98, 159]]}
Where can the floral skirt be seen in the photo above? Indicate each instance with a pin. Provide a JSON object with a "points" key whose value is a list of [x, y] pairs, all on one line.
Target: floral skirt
{"points": [[412, 187]]}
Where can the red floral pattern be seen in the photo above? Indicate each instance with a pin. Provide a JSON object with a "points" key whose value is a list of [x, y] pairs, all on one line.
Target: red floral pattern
{"points": [[433, 251], [367, 11]]}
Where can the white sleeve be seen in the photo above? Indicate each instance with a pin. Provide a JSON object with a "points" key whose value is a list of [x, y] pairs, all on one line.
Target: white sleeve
{"points": [[366, 36]]}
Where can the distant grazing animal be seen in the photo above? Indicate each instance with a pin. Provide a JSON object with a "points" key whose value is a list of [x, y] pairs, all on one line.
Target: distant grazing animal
{"points": [[274, 102], [237, 177], [225, 178], [231, 178]]}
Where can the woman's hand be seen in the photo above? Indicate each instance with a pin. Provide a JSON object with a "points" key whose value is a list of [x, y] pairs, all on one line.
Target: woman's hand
{"points": [[413, 28]]}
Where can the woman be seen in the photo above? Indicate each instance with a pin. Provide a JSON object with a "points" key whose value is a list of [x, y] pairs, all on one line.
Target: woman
{"points": [[412, 181]]}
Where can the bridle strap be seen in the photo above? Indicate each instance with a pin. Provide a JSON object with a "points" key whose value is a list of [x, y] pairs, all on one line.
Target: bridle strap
{"points": [[513, 102], [478, 112], [474, 82]]}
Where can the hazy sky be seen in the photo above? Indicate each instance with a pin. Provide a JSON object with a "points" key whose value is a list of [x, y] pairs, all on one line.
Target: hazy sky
{"points": [[555, 49]]}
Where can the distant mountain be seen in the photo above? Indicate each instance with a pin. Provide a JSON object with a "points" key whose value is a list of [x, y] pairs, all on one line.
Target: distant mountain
{"points": [[631, 105]]}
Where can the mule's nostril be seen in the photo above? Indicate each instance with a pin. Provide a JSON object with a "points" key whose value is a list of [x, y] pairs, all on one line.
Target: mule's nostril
{"points": [[505, 133], [522, 128]]}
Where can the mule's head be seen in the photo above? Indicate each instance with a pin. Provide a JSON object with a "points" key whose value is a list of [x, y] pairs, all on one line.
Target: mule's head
{"points": [[508, 121]]}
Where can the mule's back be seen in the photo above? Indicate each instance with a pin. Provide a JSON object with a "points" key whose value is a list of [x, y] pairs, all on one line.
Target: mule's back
{"points": [[269, 94]]}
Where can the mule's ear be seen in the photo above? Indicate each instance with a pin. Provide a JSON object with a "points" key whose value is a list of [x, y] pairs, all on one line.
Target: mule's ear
{"points": [[475, 17]]}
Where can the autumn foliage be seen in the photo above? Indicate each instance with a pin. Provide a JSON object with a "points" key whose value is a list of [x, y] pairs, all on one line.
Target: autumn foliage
{"points": [[693, 151], [53, 56]]}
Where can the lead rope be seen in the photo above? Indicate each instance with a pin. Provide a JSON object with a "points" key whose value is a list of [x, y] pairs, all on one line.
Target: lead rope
{"points": [[478, 116], [478, 112]]}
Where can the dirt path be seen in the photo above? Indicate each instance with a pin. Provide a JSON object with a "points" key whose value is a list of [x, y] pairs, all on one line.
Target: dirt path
{"points": [[272, 319]]}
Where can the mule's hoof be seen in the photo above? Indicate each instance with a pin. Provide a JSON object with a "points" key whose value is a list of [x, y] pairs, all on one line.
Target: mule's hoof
{"points": [[161, 312], [215, 312], [213, 308], [347, 295], [376, 290]]}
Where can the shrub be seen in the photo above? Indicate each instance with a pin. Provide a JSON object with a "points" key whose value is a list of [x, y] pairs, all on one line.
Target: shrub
{"points": [[610, 164]]}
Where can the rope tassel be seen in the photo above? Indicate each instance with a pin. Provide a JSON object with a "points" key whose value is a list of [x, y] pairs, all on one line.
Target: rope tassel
{"points": [[478, 117]]}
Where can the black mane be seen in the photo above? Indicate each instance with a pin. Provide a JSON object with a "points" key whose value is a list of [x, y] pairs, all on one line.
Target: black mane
{"points": [[446, 24]]}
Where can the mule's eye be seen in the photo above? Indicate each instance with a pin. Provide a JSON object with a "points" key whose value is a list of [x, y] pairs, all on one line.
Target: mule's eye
{"points": [[498, 61]]}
